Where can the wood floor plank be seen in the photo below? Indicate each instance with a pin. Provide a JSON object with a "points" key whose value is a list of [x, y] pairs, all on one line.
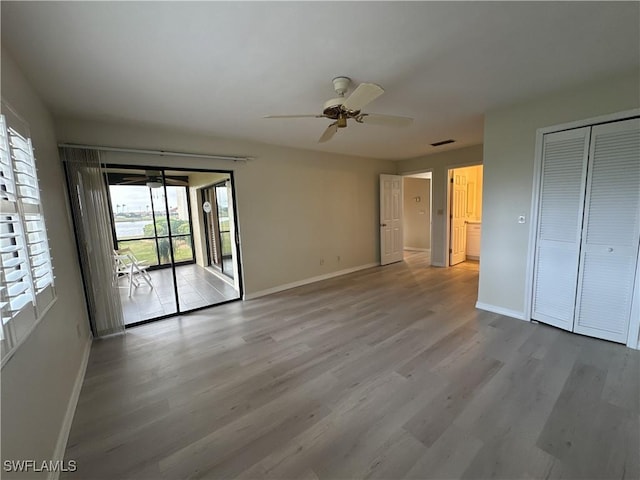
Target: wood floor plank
{"points": [[388, 372], [448, 457]]}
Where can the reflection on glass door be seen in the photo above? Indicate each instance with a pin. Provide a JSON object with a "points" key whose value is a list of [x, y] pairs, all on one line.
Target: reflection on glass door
{"points": [[224, 228], [211, 227], [218, 228]]}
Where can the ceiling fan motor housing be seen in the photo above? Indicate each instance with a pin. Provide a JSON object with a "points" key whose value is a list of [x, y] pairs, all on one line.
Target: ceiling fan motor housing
{"points": [[333, 109]]}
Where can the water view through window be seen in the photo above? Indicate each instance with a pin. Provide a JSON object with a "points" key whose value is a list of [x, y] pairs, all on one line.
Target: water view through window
{"points": [[143, 224]]}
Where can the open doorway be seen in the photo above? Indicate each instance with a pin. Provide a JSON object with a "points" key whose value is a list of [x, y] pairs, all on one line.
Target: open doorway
{"points": [[157, 220], [417, 215], [465, 214]]}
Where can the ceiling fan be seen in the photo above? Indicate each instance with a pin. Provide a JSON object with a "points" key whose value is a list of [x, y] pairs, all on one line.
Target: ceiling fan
{"points": [[342, 109], [152, 179]]}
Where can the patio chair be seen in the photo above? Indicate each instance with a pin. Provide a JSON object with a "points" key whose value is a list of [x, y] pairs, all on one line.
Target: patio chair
{"points": [[127, 265]]}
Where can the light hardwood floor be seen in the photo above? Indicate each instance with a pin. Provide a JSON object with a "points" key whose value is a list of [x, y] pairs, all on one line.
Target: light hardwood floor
{"points": [[386, 373]]}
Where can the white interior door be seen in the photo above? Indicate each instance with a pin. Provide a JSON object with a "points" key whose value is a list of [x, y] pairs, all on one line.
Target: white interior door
{"points": [[458, 247], [611, 232], [564, 164], [391, 241]]}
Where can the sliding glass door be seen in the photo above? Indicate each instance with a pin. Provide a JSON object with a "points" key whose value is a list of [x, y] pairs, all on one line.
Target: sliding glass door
{"points": [[155, 228]]}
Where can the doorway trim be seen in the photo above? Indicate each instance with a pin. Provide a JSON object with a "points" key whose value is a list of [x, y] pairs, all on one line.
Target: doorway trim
{"points": [[430, 178], [633, 340], [447, 187]]}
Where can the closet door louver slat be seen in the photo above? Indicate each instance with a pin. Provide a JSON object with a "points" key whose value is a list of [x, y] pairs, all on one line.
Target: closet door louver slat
{"points": [[562, 191], [611, 235]]}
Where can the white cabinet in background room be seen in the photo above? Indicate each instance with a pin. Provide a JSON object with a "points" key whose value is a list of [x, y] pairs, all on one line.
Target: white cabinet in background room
{"points": [[588, 229], [474, 230]]}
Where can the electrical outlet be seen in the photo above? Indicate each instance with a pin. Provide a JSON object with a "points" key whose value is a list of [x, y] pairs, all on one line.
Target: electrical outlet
{"points": [[322, 261], [338, 258]]}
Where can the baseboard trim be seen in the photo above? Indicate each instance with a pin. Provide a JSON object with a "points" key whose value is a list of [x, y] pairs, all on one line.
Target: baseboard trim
{"points": [[307, 281], [63, 436], [437, 264], [415, 249], [501, 311]]}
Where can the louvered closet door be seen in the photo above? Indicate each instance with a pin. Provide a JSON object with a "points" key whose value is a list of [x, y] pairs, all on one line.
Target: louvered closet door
{"points": [[611, 232], [564, 164]]}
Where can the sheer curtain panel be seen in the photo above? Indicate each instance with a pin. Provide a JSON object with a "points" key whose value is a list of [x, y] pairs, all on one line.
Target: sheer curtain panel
{"points": [[89, 204]]}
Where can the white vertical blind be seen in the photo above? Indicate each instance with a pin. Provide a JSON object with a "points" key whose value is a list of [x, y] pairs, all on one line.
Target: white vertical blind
{"points": [[611, 232], [564, 165], [89, 205]]}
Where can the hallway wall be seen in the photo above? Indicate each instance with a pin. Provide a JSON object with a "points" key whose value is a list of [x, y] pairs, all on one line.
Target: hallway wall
{"points": [[417, 213]]}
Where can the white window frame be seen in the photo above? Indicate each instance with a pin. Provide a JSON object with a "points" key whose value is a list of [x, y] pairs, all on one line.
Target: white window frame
{"points": [[27, 288]]}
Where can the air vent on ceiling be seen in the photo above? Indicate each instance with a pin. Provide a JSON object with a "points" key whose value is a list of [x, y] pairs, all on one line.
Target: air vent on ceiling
{"points": [[443, 142]]}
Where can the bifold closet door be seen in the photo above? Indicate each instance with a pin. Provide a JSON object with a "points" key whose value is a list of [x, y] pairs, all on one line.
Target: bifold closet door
{"points": [[611, 232], [562, 190]]}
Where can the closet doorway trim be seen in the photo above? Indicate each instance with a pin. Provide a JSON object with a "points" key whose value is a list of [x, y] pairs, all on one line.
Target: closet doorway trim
{"points": [[634, 327]]}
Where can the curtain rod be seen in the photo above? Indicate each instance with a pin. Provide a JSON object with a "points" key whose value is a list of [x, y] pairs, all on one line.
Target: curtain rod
{"points": [[161, 153]]}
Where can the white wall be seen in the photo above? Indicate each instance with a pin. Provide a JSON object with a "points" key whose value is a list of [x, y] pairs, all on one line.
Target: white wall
{"points": [[37, 382], [295, 207], [439, 164], [417, 215], [509, 143]]}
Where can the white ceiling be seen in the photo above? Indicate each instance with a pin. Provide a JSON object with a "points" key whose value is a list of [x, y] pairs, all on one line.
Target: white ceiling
{"points": [[219, 67]]}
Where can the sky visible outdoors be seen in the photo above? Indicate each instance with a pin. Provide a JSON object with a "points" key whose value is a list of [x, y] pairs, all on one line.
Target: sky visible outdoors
{"points": [[135, 198]]}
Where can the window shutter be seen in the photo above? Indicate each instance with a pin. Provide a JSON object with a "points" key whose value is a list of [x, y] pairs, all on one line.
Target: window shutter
{"points": [[16, 280], [33, 219], [26, 282]]}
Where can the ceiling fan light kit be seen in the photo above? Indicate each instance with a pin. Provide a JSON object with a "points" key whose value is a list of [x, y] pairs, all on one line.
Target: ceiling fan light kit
{"points": [[341, 109]]}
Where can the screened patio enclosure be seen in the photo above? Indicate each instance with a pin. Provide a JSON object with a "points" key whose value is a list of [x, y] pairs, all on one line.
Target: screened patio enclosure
{"points": [[166, 224]]}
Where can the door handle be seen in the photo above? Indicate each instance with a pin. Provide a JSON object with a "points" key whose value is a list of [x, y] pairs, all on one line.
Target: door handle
{"points": [[609, 249], [383, 224]]}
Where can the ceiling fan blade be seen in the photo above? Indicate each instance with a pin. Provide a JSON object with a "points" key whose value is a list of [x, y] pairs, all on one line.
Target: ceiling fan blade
{"points": [[175, 181], [363, 95], [134, 178], [293, 116], [384, 120], [132, 181], [329, 133]]}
